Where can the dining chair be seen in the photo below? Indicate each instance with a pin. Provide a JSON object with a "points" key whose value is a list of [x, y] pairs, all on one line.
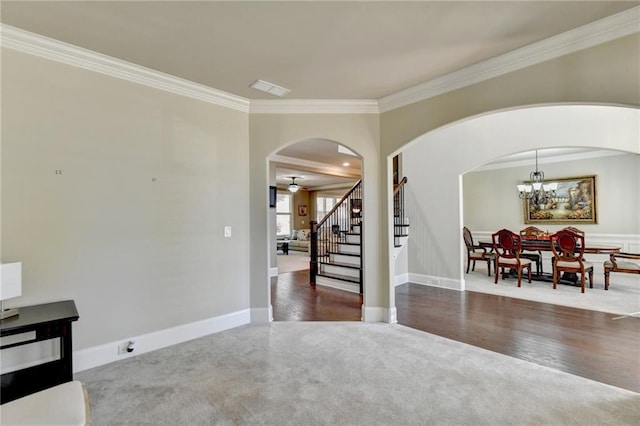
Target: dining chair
{"points": [[476, 252], [507, 246], [629, 263], [532, 232], [568, 252]]}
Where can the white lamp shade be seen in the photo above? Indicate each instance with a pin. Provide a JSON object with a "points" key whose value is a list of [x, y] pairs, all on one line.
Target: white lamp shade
{"points": [[10, 280]]}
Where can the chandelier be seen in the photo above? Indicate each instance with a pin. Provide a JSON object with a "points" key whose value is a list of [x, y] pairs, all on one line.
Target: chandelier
{"points": [[293, 186], [537, 191]]}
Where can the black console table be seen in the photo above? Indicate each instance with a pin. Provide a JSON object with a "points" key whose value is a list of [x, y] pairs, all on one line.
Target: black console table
{"points": [[39, 322]]}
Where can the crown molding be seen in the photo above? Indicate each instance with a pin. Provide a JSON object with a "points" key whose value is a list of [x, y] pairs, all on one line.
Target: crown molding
{"points": [[598, 32], [314, 106], [55, 50]]}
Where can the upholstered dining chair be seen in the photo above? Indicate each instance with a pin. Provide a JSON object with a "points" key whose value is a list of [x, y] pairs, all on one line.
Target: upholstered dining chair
{"points": [[568, 252], [476, 252], [507, 246], [532, 232]]}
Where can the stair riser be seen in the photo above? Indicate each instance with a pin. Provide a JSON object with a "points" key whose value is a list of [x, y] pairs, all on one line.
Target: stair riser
{"points": [[343, 248], [399, 241], [353, 239], [340, 285], [351, 260], [355, 229], [335, 269]]}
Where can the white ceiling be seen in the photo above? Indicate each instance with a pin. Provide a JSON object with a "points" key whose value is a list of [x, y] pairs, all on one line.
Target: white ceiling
{"points": [[317, 49], [357, 50], [317, 164]]}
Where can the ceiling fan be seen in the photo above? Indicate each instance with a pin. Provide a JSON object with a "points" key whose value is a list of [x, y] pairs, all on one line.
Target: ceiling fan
{"points": [[293, 186]]}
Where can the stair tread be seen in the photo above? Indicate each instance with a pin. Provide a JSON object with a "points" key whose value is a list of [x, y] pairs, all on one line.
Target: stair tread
{"points": [[344, 254], [347, 244], [339, 277], [341, 264]]}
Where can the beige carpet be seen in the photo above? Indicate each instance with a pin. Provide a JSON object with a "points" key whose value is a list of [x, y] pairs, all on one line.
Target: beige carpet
{"points": [[623, 296], [322, 373], [294, 261]]}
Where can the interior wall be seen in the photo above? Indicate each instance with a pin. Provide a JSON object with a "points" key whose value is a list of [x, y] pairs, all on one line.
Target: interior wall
{"points": [[435, 163], [491, 201], [132, 228], [301, 198]]}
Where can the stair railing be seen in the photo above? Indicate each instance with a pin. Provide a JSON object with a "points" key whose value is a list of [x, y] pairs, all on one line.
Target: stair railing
{"points": [[399, 209], [333, 227]]}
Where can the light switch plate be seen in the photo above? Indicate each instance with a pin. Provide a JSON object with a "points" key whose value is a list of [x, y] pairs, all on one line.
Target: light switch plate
{"points": [[227, 232]]}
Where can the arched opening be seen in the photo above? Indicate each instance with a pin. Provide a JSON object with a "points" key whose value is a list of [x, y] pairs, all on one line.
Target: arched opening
{"points": [[609, 220], [311, 177], [436, 165]]}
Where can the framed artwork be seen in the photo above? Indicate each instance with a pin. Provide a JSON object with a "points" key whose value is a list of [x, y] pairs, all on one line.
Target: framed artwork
{"points": [[273, 192], [575, 202], [302, 210]]}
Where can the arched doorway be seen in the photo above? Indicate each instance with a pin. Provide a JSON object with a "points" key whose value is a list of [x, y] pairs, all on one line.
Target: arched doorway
{"points": [[436, 162], [311, 177]]}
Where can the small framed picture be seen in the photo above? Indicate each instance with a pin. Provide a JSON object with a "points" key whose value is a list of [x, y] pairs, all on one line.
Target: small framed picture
{"points": [[302, 210]]}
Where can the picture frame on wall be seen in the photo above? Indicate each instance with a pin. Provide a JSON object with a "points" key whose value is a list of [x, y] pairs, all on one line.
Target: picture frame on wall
{"points": [[574, 202], [302, 210], [273, 193]]}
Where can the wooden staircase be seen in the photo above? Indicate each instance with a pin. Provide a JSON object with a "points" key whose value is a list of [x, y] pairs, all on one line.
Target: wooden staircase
{"points": [[336, 246], [400, 221], [336, 241], [342, 268]]}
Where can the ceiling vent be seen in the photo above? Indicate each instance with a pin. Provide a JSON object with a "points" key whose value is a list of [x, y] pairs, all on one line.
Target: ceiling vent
{"points": [[271, 88]]}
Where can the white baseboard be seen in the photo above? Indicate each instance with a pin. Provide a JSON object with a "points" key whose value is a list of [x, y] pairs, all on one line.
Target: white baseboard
{"points": [[379, 314], [99, 355], [262, 315], [401, 279], [273, 272], [448, 283]]}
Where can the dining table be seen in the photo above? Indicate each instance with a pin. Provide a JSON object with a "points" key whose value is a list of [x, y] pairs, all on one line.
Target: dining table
{"points": [[543, 243]]}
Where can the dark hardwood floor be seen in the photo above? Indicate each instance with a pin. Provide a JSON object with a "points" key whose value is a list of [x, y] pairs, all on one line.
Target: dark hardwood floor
{"points": [[595, 345], [293, 299]]}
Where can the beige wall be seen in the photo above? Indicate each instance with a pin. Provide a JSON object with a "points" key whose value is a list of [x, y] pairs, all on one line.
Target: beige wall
{"points": [[136, 255], [607, 73], [301, 198], [491, 203]]}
